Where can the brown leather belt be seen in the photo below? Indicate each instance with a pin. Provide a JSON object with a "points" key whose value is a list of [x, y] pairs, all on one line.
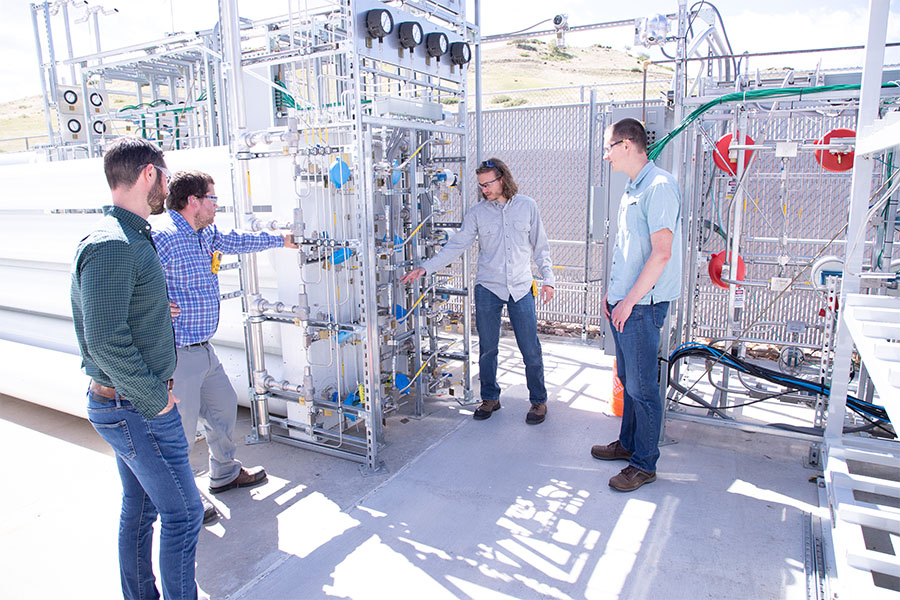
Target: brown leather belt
{"points": [[104, 391]]}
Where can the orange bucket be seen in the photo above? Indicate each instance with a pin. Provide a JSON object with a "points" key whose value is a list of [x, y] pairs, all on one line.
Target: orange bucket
{"points": [[618, 398]]}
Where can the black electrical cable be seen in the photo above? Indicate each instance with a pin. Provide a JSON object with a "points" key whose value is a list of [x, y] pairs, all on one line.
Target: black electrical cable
{"points": [[861, 407], [750, 403], [696, 398], [694, 11]]}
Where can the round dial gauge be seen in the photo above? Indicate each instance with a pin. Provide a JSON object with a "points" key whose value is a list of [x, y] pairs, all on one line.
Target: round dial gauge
{"points": [[379, 23], [410, 34], [436, 44], [460, 53]]}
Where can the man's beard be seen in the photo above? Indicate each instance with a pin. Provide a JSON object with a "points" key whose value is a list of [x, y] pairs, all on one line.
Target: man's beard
{"points": [[156, 198], [200, 223]]}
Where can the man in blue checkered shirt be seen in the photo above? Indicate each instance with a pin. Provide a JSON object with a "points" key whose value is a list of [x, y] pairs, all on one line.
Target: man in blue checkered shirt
{"points": [[189, 244]]}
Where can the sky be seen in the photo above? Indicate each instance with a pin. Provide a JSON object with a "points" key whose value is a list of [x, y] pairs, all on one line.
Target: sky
{"points": [[758, 26]]}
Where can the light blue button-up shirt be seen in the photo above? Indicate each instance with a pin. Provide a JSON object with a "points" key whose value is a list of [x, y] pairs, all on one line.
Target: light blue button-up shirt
{"points": [[650, 203], [510, 236]]}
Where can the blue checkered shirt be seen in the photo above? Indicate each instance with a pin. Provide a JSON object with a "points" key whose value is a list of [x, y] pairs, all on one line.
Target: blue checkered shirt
{"points": [[186, 256]]}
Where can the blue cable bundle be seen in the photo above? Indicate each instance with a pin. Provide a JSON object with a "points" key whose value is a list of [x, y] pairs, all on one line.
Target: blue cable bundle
{"points": [[871, 412]]}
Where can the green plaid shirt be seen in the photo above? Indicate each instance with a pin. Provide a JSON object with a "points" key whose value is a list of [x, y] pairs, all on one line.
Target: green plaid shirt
{"points": [[121, 311]]}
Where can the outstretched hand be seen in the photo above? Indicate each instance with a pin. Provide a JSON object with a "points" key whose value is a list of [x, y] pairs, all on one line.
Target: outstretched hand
{"points": [[412, 275]]}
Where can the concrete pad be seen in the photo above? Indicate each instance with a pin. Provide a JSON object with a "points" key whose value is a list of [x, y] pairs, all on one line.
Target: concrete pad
{"points": [[468, 509]]}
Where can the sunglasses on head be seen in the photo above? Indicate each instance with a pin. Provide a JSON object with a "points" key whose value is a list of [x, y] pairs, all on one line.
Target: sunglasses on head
{"points": [[488, 164]]}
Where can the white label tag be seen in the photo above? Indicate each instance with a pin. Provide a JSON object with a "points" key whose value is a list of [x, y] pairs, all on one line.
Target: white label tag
{"points": [[786, 149], [738, 297], [779, 284]]}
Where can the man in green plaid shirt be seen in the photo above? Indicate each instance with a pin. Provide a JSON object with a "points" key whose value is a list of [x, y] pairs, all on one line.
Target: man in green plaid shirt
{"points": [[124, 331]]}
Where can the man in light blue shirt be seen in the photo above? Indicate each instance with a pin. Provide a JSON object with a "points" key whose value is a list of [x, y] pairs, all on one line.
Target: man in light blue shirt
{"points": [[510, 236], [645, 276]]}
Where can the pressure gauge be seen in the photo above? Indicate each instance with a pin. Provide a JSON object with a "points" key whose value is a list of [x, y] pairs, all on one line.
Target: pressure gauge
{"points": [[379, 23], [436, 44], [410, 34], [460, 53], [70, 96]]}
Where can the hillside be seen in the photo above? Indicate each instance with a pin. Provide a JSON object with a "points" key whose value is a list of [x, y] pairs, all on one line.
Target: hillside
{"points": [[505, 67], [532, 63]]}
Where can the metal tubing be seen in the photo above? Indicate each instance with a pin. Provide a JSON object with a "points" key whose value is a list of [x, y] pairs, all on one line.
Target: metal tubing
{"points": [[479, 125], [231, 51], [44, 91], [330, 451], [211, 131], [741, 426], [696, 398], [776, 53]]}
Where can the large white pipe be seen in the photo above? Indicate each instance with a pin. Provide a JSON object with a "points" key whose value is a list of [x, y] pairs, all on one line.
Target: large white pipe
{"points": [[54, 378], [46, 377], [45, 210]]}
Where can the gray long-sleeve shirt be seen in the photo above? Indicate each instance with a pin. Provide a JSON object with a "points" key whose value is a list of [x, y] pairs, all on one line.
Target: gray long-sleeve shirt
{"points": [[510, 236]]}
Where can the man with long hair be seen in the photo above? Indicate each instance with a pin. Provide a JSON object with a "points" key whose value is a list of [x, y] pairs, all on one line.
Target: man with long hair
{"points": [[510, 236]]}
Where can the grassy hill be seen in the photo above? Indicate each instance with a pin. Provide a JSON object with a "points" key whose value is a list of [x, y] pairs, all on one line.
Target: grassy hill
{"points": [[532, 63], [506, 67]]}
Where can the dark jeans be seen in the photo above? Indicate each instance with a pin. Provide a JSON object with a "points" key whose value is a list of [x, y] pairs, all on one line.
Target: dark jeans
{"points": [[156, 480], [637, 350], [523, 318]]}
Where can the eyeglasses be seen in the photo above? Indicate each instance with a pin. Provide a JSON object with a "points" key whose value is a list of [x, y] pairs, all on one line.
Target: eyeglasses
{"points": [[487, 183], [213, 199], [163, 170], [488, 164], [607, 149]]}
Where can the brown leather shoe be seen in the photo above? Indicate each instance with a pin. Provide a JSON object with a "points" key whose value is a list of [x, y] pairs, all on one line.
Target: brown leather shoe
{"points": [[537, 413], [486, 409], [209, 511], [246, 478], [631, 478], [613, 451]]}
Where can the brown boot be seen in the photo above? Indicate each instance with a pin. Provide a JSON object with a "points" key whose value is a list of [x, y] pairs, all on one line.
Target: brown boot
{"points": [[246, 478], [537, 413], [631, 478], [486, 409], [614, 451]]}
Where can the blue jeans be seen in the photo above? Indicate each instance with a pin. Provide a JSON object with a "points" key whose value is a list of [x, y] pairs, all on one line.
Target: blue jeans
{"points": [[637, 351], [156, 479], [523, 318]]}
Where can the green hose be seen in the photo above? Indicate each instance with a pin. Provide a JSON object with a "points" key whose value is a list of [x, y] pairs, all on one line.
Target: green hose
{"points": [[656, 147]]}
